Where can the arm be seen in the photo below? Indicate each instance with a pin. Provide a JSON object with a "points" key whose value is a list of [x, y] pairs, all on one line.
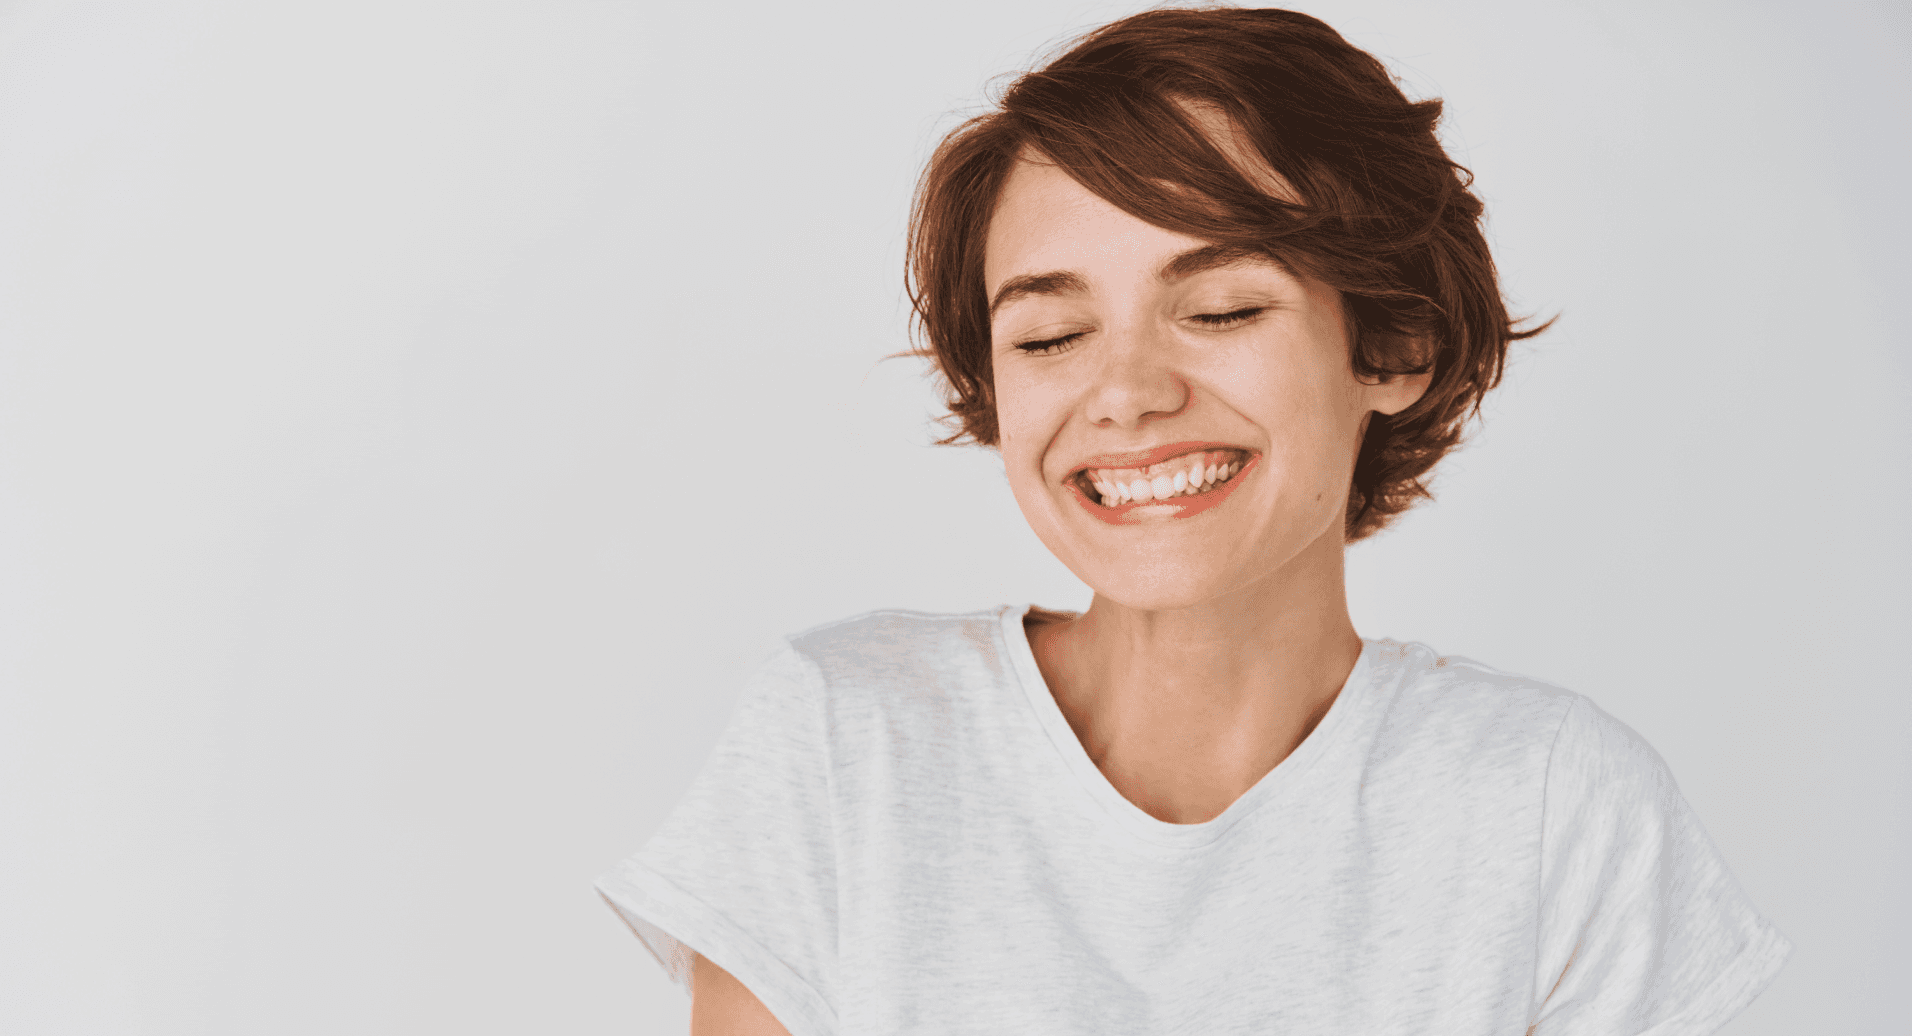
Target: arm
{"points": [[721, 1006]]}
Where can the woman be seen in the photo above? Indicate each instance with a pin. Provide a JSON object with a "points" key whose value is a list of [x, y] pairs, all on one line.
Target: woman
{"points": [[1210, 285]]}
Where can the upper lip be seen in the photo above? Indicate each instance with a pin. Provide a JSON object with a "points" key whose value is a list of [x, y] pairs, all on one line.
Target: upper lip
{"points": [[1143, 458]]}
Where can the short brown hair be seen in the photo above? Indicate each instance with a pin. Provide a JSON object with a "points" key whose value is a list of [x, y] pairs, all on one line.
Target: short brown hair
{"points": [[1386, 217]]}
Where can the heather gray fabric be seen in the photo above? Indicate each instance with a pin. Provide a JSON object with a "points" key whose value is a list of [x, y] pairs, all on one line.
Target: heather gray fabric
{"points": [[899, 834]]}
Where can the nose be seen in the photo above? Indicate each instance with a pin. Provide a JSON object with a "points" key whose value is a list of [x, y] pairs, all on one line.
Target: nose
{"points": [[1135, 383]]}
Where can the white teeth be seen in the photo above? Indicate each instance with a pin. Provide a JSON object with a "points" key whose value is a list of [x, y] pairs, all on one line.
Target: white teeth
{"points": [[1189, 482], [1159, 482]]}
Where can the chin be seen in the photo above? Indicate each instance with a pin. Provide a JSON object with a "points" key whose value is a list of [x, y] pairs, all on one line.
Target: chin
{"points": [[1159, 586]]}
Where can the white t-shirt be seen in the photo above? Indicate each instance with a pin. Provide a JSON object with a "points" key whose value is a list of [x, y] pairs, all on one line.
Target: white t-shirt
{"points": [[899, 833]]}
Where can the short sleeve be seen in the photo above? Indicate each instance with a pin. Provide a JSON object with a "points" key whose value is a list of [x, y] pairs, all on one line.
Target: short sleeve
{"points": [[1644, 930], [743, 870]]}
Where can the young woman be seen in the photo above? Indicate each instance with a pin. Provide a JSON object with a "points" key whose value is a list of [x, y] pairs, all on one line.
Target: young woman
{"points": [[1210, 285]]}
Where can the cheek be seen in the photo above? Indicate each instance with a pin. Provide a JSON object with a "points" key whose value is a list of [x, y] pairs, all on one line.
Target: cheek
{"points": [[1023, 413], [1307, 414]]}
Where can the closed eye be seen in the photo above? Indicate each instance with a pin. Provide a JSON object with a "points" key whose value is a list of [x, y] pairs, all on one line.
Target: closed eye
{"points": [[1048, 345], [1230, 319], [1218, 321]]}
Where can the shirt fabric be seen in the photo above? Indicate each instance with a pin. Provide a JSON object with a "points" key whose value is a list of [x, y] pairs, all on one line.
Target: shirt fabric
{"points": [[899, 833]]}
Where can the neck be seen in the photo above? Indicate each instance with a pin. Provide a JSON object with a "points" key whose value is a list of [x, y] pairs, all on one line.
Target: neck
{"points": [[1231, 684]]}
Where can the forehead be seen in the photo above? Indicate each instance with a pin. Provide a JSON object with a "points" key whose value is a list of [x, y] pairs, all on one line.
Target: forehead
{"points": [[1044, 218]]}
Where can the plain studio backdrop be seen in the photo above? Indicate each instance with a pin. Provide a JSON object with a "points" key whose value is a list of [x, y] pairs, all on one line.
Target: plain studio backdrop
{"points": [[416, 421]]}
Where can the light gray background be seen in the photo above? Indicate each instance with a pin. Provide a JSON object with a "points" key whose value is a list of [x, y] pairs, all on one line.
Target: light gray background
{"points": [[415, 421]]}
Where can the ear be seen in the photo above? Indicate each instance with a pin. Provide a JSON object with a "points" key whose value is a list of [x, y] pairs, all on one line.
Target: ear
{"points": [[1397, 392], [1394, 393]]}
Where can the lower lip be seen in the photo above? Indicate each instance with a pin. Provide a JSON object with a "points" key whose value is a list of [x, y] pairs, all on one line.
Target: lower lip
{"points": [[1174, 509]]}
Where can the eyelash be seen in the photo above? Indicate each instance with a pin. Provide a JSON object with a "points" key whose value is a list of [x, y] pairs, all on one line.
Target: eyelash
{"points": [[1217, 321]]}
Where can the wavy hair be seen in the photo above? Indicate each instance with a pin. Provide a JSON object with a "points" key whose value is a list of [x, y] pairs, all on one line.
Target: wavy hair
{"points": [[1385, 216]]}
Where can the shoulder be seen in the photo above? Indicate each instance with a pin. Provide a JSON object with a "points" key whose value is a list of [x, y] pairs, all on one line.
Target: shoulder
{"points": [[1471, 703], [1602, 765], [1580, 736], [891, 626], [921, 676], [1465, 704], [896, 642], [1454, 734]]}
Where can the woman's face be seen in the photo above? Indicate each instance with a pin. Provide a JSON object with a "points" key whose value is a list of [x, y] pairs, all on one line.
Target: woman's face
{"points": [[1125, 356]]}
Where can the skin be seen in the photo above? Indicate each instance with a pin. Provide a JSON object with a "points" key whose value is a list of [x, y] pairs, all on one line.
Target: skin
{"points": [[1214, 644], [722, 1006]]}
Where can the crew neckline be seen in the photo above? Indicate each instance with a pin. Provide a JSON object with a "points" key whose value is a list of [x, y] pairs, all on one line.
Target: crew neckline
{"points": [[1133, 819]]}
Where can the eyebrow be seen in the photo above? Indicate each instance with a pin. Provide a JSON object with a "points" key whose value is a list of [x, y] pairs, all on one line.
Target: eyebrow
{"points": [[1179, 266]]}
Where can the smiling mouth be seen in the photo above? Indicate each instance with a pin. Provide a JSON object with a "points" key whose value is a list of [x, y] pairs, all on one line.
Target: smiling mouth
{"points": [[1190, 474]]}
